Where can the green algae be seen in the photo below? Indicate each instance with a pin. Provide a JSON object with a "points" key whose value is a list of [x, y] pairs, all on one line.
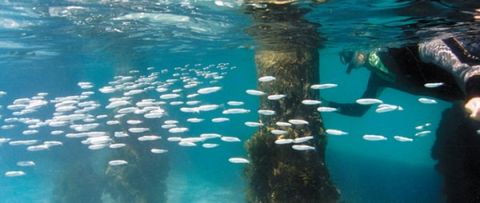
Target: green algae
{"points": [[288, 50]]}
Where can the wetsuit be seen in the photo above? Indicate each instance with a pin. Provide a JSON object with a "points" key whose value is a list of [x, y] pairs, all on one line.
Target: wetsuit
{"points": [[460, 57], [409, 68]]}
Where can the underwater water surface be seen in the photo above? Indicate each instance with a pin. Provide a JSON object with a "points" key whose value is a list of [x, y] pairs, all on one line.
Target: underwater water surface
{"points": [[158, 101]]}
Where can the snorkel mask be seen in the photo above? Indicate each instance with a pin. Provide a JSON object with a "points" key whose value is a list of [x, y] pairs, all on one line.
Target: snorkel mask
{"points": [[347, 57]]}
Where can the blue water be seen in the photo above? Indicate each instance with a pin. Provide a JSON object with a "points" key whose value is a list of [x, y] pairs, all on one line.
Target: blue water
{"points": [[392, 171], [50, 47]]}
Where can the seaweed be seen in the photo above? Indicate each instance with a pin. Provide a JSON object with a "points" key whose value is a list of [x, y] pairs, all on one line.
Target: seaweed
{"points": [[143, 179], [288, 50], [79, 184]]}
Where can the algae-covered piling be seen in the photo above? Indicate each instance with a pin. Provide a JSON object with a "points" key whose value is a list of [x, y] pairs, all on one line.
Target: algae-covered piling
{"points": [[288, 50], [142, 180], [79, 183]]}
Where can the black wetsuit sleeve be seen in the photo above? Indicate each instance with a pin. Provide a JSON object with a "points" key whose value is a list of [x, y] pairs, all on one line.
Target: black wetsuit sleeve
{"points": [[472, 87], [374, 88]]}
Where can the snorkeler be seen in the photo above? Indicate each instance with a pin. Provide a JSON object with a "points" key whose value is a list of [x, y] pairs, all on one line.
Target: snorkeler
{"points": [[453, 62]]}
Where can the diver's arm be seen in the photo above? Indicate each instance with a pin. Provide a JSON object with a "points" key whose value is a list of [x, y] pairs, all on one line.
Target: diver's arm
{"points": [[374, 88], [466, 75], [439, 53], [472, 88]]}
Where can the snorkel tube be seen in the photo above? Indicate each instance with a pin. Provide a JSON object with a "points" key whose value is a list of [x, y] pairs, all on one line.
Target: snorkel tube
{"points": [[346, 57]]}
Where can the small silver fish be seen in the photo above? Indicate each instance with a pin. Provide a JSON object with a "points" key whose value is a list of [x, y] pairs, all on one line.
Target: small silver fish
{"points": [[402, 138], [335, 132], [266, 79], [323, 86], [368, 101], [433, 84], [326, 109], [427, 101], [302, 147], [374, 137]]}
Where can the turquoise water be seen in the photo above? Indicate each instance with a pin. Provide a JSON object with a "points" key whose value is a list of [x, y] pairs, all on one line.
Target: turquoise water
{"points": [[391, 170], [51, 46]]}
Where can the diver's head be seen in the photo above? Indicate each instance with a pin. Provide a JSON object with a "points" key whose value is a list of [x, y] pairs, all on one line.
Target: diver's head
{"points": [[352, 59]]}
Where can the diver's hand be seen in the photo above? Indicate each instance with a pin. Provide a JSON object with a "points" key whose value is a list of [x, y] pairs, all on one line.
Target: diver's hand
{"points": [[473, 108]]}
